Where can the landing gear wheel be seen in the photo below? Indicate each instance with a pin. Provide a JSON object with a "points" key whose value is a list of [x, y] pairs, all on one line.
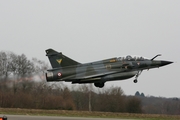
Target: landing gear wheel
{"points": [[137, 75], [100, 85], [135, 81]]}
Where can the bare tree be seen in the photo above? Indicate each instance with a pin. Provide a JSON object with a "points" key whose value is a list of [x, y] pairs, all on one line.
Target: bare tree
{"points": [[4, 65], [25, 67]]}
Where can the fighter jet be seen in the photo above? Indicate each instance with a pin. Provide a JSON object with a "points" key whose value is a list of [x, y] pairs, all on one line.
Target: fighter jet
{"points": [[98, 72]]}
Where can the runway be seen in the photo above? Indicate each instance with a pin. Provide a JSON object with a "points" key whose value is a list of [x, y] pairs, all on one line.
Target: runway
{"points": [[29, 117]]}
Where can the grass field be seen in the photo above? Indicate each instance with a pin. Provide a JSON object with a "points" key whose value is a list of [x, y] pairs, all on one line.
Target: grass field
{"points": [[18, 111]]}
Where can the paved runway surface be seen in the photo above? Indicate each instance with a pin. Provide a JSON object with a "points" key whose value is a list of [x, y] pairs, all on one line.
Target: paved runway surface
{"points": [[28, 117]]}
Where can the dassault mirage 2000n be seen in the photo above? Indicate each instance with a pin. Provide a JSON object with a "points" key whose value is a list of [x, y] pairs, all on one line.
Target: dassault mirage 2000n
{"points": [[99, 72]]}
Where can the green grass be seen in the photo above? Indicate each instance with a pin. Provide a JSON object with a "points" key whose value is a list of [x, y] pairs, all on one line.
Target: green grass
{"points": [[39, 112]]}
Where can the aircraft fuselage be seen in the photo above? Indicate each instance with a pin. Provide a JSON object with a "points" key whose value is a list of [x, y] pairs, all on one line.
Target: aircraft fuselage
{"points": [[98, 72]]}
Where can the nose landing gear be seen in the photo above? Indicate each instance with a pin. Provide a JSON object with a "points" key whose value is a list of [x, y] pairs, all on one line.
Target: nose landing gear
{"points": [[135, 81], [137, 75]]}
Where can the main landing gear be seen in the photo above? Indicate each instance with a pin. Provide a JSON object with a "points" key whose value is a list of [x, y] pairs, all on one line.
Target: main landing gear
{"points": [[137, 75], [99, 84]]}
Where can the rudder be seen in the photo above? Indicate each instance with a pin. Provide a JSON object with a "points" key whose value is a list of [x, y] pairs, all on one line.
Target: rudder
{"points": [[57, 59]]}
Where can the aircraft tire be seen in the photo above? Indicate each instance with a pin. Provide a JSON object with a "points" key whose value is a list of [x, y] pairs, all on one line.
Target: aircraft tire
{"points": [[100, 85], [135, 81]]}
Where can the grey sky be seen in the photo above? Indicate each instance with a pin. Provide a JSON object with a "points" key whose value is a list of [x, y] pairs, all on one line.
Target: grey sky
{"points": [[94, 30]]}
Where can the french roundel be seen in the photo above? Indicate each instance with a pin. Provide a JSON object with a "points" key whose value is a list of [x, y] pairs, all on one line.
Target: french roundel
{"points": [[59, 74]]}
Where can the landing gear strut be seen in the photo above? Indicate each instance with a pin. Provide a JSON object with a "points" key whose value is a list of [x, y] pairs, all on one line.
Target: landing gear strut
{"points": [[137, 75]]}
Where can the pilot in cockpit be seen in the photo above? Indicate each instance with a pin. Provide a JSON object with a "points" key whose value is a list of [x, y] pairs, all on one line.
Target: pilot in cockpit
{"points": [[128, 57]]}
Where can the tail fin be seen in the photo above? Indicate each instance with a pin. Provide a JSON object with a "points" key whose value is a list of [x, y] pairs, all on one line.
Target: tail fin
{"points": [[58, 59]]}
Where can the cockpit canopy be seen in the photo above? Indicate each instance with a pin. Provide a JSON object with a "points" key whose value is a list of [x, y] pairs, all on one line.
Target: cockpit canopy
{"points": [[130, 58]]}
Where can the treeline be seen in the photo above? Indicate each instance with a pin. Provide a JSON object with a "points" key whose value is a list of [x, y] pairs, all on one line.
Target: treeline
{"points": [[42, 95], [160, 105]]}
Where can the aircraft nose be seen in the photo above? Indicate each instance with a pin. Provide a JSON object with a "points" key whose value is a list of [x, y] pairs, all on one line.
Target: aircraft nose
{"points": [[163, 63]]}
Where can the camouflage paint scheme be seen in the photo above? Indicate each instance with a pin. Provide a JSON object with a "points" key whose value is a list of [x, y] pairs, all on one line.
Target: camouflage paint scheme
{"points": [[99, 72]]}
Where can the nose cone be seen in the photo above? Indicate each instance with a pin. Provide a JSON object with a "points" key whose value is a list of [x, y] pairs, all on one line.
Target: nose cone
{"points": [[163, 63]]}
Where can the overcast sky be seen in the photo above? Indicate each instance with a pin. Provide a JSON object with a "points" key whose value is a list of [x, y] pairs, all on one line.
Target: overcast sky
{"points": [[94, 30]]}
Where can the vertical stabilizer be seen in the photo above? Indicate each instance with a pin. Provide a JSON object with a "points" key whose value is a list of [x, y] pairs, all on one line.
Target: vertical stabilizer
{"points": [[57, 59]]}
